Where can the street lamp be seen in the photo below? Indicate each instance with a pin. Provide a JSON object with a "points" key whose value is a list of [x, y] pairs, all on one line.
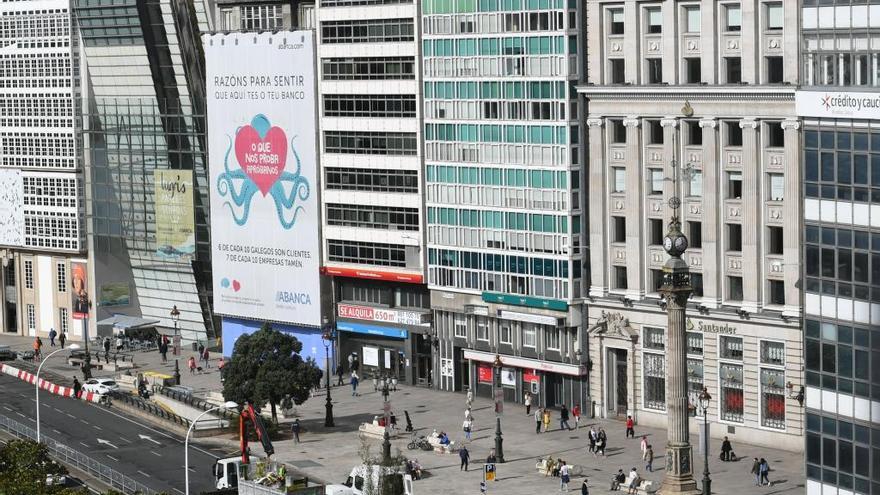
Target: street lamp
{"points": [[499, 452], [386, 442], [327, 337], [175, 317], [704, 405], [226, 405], [71, 347]]}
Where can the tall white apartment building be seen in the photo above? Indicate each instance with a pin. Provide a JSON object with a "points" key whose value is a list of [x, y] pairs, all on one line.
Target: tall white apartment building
{"points": [[701, 92], [41, 229]]}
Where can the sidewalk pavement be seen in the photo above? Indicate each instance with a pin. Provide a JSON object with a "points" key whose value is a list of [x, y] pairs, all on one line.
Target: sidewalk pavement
{"points": [[328, 454]]}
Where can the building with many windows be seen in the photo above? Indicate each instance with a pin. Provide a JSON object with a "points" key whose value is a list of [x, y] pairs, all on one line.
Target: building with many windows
{"points": [[42, 225], [838, 105], [503, 160], [693, 100]]}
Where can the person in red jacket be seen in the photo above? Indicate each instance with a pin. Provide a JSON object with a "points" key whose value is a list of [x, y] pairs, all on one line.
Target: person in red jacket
{"points": [[576, 412], [630, 427]]}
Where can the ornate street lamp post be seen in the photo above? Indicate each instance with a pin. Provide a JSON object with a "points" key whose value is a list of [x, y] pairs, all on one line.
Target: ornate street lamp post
{"points": [[328, 337], [175, 317], [386, 442], [704, 405], [497, 392]]}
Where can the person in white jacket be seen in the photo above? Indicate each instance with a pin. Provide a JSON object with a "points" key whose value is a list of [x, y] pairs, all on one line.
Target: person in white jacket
{"points": [[632, 482]]}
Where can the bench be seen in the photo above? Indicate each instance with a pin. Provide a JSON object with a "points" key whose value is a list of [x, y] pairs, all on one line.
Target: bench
{"points": [[376, 430]]}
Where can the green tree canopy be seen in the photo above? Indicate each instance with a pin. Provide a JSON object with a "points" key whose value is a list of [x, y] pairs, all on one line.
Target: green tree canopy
{"points": [[266, 367]]}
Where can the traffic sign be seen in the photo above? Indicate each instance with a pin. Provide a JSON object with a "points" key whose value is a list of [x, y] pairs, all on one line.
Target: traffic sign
{"points": [[489, 472]]}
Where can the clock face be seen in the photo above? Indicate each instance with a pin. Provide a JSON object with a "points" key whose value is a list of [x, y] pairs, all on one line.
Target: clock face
{"points": [[681, 243], [667, 243]]}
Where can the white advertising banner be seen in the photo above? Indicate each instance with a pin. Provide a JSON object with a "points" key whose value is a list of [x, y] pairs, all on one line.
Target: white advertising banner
{"points": [[263, 168], [838, 104], [11, 208], [371, 355]]}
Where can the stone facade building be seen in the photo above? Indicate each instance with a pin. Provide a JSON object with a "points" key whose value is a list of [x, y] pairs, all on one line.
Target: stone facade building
{"points": [[695, 100]]}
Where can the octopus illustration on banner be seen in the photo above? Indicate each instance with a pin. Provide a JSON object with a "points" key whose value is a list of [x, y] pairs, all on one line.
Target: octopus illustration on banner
{"points": [[261, 152]]}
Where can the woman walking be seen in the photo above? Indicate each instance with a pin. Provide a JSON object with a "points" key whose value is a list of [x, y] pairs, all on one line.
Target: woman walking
{"points": [[546, 420], [467, 426], [765, 471]]}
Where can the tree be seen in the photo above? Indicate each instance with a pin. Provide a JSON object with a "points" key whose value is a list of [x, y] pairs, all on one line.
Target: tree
{"points": [[266, 367], [24, 467]]}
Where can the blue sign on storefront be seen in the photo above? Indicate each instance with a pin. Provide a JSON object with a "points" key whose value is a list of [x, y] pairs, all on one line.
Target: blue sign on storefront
{"points": [[395, 333]]}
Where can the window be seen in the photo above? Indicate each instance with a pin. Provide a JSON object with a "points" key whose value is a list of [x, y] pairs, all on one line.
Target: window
{"points": [[733, 70], [367, 31], [734, 134], [697, 284], [654, 18], [504, 335], [734, 185], [775, 70], [774, 16], [31, 317], [774, 240], [731, 347], [616, 18], [620, 277], [734, 288], [28, 274], [695, 343], [366, 68], [734, 237], [655, 132], [656, 181], [529, 336], [366, 253], [618, 73], [695, 384], [772, 353], [655, 228], [731, 377], [694, 133], [618, 132], [777, 292], [552, 338], [775, 135], [773, 398], [777, 187], [655, 381], [482, 329], [374, 106], [460, 327], [261, 17], [61, 274], [64, 317], [692, 19], [655, 71], [618, 179], [655, 339], [619, 229], [378, 180], [695, 234], [656, 281], [370, 143], [696, 184], [693, 70], [373, 217], [732, 18], [226, 20]]}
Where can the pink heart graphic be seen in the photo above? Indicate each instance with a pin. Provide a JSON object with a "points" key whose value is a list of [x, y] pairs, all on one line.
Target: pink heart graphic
{"points": [[262, 160], [236, 285]]}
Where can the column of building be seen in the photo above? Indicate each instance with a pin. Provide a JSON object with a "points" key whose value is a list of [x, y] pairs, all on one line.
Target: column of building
{"points": [[712, 240], [750, 217]]}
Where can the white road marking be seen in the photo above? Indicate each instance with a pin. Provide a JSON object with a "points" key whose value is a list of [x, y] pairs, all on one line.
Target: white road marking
{"points": [[56, 431], [84, 444], [110, 456], [155, 453], [70, 415], [7, 408], [20, 414], [145, 474], [97, 427], [59, 410], [84, 421]]}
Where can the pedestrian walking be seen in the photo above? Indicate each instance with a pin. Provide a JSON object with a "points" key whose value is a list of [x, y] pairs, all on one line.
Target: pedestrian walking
{"points": [[354, 383], [632, 482], [564, 477], [191, 362], [62, 338], [726, 448], [600, 445], [465, 457], [163, 350], [593, 437], [630, 427], [467, 427], [206, 356], [649, 459], [470, 398], [563, 418], [201, 348], [756, 470], [339, 381], [491, 459], [765, 471], [106, 348], [77, 387], [576, 412], [295, 428], [527, 400], [350, 362], [119, 343], [585, 489], [546, 420], [52, 335], [644, 446], [539, 415], [38, 346]]}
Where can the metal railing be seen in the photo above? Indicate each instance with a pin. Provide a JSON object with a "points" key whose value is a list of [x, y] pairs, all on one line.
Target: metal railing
{"points": [[149, 408], [67, 456], [193, 401]]}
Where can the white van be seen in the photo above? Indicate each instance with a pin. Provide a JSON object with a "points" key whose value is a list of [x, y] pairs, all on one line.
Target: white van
{"points": [[401, 484]]}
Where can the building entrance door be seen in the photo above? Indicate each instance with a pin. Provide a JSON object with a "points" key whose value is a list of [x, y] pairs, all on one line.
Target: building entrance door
{"points": [[616, 382]]}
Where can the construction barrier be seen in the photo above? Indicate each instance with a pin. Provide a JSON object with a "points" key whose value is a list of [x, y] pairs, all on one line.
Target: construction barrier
{"points": [[47, 385]]}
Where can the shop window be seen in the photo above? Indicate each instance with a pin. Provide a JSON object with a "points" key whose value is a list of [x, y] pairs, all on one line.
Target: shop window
{"points": [[773, 398], [731, 376], [655, 381]]}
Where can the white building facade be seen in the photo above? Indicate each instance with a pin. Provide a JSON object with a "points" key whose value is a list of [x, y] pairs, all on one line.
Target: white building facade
{"points": [[40, 167], [695, 100]]}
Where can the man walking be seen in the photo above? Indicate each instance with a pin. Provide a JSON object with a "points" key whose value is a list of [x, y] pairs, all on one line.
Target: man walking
{"points": [[62, 338], [527, 400], [77, 387], [52, 335], [563, 418], [354, 383], [107, 350], [764, 468], [630, 427], [576, 412], [564, 477], [593, 436], [649, 459], [538, 416], [295, 428], [465, 458], [339, 381], [756, 470]]}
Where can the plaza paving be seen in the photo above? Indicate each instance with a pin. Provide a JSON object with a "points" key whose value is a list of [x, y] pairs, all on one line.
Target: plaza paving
{"points": [[328, 454]]}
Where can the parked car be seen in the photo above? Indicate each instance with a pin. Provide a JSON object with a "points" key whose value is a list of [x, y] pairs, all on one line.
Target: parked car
{"points": [[26, 355], [100, 385], [6, 353]]}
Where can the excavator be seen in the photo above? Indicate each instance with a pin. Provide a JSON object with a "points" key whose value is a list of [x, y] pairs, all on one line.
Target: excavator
{"points": [[228, 470]]}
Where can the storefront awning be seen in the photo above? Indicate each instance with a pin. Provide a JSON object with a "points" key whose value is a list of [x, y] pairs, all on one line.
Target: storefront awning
{"points": [[519, 362]]}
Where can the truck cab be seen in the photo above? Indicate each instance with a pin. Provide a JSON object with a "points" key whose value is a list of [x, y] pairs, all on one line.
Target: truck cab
{"points": [[226, 472], [384, 480]]}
